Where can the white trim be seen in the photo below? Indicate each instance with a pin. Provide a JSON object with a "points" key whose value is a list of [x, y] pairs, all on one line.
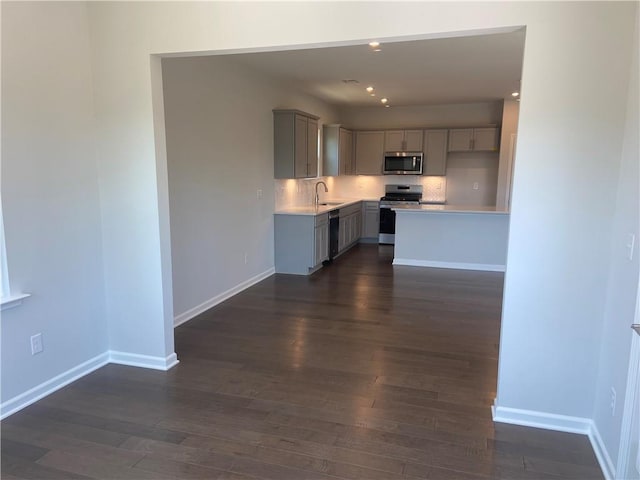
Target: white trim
{"points": [[602, 454], [25, 399], [559, 423], [212, 302], [144, 361], [12, 301], [488, 267], [630, 401], [549, 421]]}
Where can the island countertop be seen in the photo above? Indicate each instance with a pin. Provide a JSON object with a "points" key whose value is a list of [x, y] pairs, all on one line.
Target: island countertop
{"points": [[492, 210]]}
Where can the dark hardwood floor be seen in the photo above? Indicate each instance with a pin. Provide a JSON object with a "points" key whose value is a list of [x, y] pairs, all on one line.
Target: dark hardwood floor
{"points": [[361, 371]]}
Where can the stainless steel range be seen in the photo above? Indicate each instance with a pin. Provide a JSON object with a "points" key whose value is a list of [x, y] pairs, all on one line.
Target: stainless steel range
{"points": [[395, 195]]}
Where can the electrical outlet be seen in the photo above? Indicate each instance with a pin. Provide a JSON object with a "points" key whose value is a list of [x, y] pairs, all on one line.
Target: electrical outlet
{"points": [[259, 194], [476, 185], [613, 402], [36, 343]]}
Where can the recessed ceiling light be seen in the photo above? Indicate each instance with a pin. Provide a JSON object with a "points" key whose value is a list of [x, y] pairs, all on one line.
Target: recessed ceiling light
{"points": [[387, 106], [384, 100], [515, 94], [374, 44], [369, 89], [372, 94]]}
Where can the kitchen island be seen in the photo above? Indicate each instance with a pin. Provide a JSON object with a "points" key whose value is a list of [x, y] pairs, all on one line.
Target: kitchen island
{"points": [[451, 236]]}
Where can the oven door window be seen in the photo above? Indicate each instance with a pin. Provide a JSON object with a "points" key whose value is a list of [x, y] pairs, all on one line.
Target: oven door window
{"points": [[387, 220]]}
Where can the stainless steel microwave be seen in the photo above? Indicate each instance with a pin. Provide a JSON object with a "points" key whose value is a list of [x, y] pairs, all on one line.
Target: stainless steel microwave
{"points": [[403, 163]]}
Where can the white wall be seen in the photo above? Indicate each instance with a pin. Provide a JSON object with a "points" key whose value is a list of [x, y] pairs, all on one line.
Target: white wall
{"points": [[574, 99], [508, 141], [219, 125], [622, 284], [50, 194], [569, 146]]}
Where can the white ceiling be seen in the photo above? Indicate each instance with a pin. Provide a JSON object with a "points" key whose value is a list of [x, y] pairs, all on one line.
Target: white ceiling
{"points": [[422, 72]]}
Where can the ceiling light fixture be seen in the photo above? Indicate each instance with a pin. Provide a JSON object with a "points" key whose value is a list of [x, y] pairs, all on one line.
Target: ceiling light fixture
{"points": [[374, 44], [515, 94], [387, 106], [369, 89], [384, 100]]}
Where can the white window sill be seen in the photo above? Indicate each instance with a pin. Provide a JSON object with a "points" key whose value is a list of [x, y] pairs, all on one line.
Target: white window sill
{"points": [[12, 301]]}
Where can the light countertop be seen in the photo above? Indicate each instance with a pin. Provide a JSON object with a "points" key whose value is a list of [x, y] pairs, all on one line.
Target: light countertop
{"points": [[450, 209], [330, 204]]}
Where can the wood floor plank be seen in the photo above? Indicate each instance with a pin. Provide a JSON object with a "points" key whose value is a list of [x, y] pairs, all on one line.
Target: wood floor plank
{"points": [[360, 371], [51, 441]]}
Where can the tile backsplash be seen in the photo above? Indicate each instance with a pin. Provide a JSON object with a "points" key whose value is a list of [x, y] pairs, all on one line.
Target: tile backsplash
{"points": [[291, 192]]}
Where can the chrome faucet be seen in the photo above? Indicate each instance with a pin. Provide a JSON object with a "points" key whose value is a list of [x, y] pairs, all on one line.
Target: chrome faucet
{"points": [[325, 190]]}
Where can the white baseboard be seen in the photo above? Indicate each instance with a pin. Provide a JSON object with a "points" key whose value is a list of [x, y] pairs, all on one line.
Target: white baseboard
{"points": [[25, 399], [212, 302], [549, 421], [143, 361], [559, 423], [599, 448], [34, 394], [487, 267]]}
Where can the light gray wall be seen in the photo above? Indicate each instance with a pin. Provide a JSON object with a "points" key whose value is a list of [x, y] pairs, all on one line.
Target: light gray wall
{"points": [[219, 125], [50, 194], [452, 115], [463, 170], [623, 276]]}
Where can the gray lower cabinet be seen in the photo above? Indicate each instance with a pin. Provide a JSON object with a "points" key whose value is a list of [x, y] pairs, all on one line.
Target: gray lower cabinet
{"points": [[371, 223], [301, 242], [350, 228]]}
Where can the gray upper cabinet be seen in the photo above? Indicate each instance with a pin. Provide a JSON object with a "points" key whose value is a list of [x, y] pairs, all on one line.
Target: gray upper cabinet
{"points": [[435, 152], [473, 139], [369, 152], [403, 141], [295, 144], [337, 151], [485, 139]]}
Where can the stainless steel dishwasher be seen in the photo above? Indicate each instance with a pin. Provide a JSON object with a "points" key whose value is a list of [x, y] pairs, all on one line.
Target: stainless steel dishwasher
{"points": [[334, 233]]}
